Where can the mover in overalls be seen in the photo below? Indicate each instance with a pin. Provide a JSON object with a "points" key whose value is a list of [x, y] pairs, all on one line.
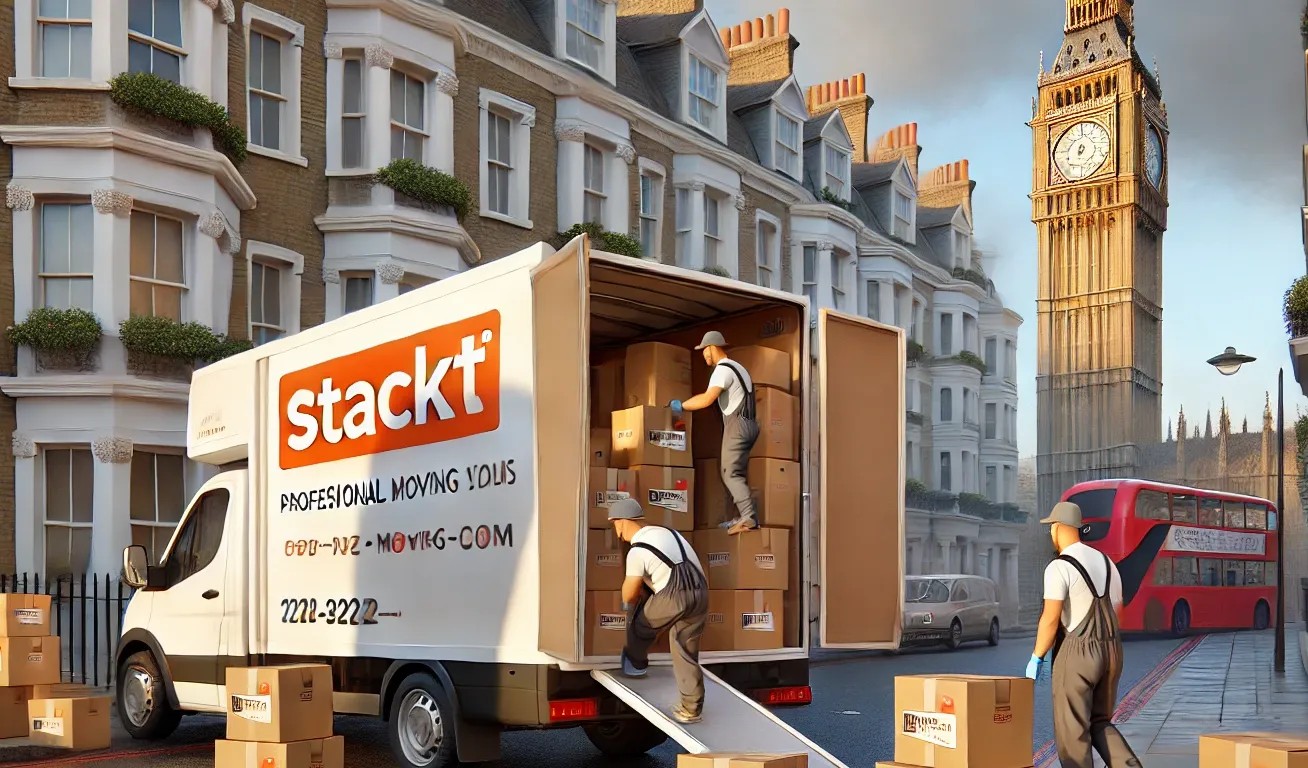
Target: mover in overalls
{"points": [[731, 387], [1079, 625], [665, 591]]}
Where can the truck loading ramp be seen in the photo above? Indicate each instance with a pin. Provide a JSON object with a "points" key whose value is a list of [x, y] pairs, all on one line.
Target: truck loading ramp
{"points": [[732, 722]]}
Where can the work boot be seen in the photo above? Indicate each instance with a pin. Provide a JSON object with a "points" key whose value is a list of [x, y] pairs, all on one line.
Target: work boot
{"points": [[631, 670], [683, 715]]}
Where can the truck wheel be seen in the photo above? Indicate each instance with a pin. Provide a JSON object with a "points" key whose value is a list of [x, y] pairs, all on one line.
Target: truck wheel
{"points": [[142, 699], [421, 724], [624, 738]]}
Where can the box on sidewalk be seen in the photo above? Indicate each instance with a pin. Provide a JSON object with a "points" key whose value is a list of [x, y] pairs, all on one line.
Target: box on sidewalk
{"points": [[667, 494], [605, 564], [959, 721], [775, 485], [742, 760], [606, 487], [81, 723], [14, 722], [757, 559], [1253, 750], [29, 661], [655, 374], [25, 615], [656, 437], [744, 620], [606, 395], [279, 704], [311, 753], [606, 626]]}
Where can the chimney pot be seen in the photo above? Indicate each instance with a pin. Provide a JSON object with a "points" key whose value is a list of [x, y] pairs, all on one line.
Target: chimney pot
{"points": [[783, 22], [771, 25], [746, 33], [725, 34], [862, 83], [758, 29], [830, 88], [735, 36]]}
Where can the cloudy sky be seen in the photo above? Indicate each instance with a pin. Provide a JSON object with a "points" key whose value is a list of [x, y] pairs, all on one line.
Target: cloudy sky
{"points": [[1233, 82]]}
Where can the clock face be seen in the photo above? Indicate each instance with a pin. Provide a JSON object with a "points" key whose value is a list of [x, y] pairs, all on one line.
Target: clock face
{"points": [[1153, 155], [1082, 150]]}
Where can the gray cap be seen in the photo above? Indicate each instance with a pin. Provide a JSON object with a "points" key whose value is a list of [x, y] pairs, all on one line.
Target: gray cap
{"points": [[626, 509], [1066, 513], [712, 339]]}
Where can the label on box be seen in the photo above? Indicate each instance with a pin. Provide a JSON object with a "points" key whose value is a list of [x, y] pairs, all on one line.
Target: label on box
{"points": [[608, 560], [608, 498], [29, 615], [256, 709], [624, 434], [719, 559], [765, 562], [677, 501], [758, 622], [51, 725], [931, 727], [675, 441], [35, 658], [715, 618], [614, 621]]}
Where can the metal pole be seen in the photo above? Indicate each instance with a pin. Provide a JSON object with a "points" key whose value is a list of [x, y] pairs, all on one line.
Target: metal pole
{"points": [[1279, 655]]}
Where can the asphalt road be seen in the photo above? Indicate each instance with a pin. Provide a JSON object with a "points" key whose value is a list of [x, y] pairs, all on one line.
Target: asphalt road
{"points": [[851, 716]]}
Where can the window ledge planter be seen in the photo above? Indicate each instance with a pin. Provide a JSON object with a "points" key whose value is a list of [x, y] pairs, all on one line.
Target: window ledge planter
{"points": [[602, 240], [974, 276], [163, 348], [1295, 312], [419, 186], [146, 93], [60, 339], [915, 352]]}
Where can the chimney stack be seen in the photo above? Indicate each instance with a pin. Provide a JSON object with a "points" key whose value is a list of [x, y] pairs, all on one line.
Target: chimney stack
{"points": [[898, 142], [761, 50], [946, 187], [850, 96]]}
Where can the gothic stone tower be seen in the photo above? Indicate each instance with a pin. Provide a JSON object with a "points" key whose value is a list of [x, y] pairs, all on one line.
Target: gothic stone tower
{"points": [[1099, 203]]}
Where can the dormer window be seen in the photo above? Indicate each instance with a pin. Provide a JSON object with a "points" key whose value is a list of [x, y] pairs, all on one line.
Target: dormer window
{"points": [[587, 29], [786, 145], [835, 170], [903, 220], [962, 249], [704, 94]]}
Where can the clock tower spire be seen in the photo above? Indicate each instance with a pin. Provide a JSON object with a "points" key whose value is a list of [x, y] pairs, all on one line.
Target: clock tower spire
{"points": [[1099, 204]]}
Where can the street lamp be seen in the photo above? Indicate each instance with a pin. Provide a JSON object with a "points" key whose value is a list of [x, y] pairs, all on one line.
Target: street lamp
{"points": [[1228, 363]]}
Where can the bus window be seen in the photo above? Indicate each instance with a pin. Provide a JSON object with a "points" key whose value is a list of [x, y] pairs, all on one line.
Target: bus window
{"points": [[1152, 505], [1210, 512], [1255, 516], [1253, 573], [1163, 571], [1269, 574], [1234, 576], [1184, 508], [1210, 572], [1234, 514], [1185, 571]]}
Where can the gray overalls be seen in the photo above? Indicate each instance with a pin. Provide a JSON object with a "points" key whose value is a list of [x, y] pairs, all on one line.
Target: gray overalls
{"points": [[739, 433], [682, 609], [1087, 667]]}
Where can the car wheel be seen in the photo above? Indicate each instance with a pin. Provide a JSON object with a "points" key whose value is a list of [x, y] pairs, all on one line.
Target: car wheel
{"points": [[955, 635], [421, 724], [143, 699], [1181, 619], [1262, 616], [624, 738], [993, 639]]}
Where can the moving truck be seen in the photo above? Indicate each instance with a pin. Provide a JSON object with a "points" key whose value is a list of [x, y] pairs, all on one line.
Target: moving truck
{"points": [[401, 493]]}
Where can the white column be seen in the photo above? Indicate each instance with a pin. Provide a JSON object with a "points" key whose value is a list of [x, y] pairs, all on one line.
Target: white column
{"points": [[379, 61], [886, 301], [111, 528], [199, 65], [29, 533], [22, 203], [108, 39], [824, 273], [214, 270], [112, 230], [946, 556], [387, 286], [617, 182], [334, 305], [441, 152], [906, 307], [693, 258], [960, 343], [220, 51], [335, 103], [571, 167], [729, 258], [797, 266]]}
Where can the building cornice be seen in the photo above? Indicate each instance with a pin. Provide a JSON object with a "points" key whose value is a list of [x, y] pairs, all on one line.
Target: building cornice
{"points": [[369, 220], [117, 387], [207, 161]]}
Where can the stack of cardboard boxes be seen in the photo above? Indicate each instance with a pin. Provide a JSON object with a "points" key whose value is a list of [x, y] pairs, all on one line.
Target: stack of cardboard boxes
{"points": [[963, 721], [738, 760], [1252, 750], [280, 717]]}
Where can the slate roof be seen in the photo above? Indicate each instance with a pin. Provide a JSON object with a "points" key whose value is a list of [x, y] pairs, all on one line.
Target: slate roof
{"points": [[872, 174], [649, 31], [928, 218], [741, 97]]}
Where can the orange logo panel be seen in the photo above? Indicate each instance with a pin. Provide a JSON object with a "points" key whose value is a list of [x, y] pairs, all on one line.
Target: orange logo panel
{"points": [[440, 384]]}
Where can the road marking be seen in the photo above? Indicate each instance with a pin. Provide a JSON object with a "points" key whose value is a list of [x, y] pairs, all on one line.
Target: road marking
{"points": [[118, 755]]}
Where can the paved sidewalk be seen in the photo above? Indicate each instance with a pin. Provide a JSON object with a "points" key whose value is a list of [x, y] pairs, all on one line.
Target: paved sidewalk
{"points": [[1225, 684]]}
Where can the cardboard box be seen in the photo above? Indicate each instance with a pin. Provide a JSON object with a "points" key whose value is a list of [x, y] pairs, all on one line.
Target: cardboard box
{"points": [[1253, 750], [70, 723], [778, 419], [758, 559], [959, 721], [25, 615], [606, 487], [61, 691], [605, 563], [651, 436], [738, 760], [29, 661], [606, 395], [744, 620], [767, 367], [601, 447], [14, 722], [775, 485], [655, 374], [279, 704], [605, 632], [314, 753], [667, 494]]}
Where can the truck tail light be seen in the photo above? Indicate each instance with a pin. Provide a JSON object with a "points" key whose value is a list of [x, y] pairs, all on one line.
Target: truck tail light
{"points": [[562, 710], [791, 694]]}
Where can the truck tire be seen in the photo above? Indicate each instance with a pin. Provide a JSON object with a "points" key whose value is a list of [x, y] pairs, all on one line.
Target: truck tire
{"points": [[421, 724], [624, 738], [143, 699]]}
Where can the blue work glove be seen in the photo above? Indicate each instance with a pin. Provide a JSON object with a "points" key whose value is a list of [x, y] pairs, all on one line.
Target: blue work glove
{"points": [[1034, 667], [626, 607], [675, 405]]}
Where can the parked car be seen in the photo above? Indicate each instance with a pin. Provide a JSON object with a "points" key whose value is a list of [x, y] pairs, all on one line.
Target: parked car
{"points": [[950, 609]]}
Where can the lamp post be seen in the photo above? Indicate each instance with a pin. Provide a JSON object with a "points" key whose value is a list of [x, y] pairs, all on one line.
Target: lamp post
{"points": [[1228, 363]]}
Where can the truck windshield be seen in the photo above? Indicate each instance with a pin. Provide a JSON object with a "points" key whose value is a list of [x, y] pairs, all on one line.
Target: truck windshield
{"points": [[926, 591]]}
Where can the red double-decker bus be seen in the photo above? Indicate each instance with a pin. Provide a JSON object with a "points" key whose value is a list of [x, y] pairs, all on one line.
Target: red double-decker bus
{"points": [[1189, 558]]}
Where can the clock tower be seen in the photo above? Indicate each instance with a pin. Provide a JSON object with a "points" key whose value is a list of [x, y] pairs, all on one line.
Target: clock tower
{"points": [[1099, 204]]}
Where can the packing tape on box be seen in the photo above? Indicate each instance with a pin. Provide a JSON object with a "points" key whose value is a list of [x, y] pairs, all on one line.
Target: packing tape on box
{"points": [[1243, 750], [929, 704]]}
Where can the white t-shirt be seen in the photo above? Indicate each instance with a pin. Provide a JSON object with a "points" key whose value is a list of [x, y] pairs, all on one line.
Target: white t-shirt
{"points": [[647, 565], [733, 394], [1063, 582]]}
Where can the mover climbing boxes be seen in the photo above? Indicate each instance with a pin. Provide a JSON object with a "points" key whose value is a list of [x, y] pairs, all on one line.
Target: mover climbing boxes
{"points": [[960, 721]]}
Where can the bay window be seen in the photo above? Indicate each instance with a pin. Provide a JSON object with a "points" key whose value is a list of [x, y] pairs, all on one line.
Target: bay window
{"points": [[353, 111], [154, 33], [651, 211], [712, 230], [157, 256], [408, 116], [64, 28], [358, 291], [768, 250], [69, 500], [67, 260], [593, 196], [158, 497]]}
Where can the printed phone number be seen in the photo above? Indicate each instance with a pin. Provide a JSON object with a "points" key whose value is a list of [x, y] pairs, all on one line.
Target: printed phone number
{"points": [[352, 611]]}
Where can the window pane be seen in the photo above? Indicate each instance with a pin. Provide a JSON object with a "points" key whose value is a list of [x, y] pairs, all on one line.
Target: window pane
{"points": [[353, 87], [58, 497], [140, 16], [56, 42], [83, 486], [142, 257], [171, 489], [57, 546], [256, 119], [1253, 573], [1210, 572], [1210, 512], [143, 487], [272, 296], [168, 302], [256, 292], [1184, 508], [1163, 571], [1234, 513], [358, 293], [55, 225], [397, 96], [414, 113], [1152, 505], [53, 9], [168, 256], [166, 65], [254, 67], [1185, 571], [352, 142], [168, 21], [138, 56], [271, 79], [1255, 517], [270, 133], [1233, 573]]}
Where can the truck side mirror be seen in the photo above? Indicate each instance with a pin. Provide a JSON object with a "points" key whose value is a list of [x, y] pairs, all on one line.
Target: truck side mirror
{"points": [[136, 568]]}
